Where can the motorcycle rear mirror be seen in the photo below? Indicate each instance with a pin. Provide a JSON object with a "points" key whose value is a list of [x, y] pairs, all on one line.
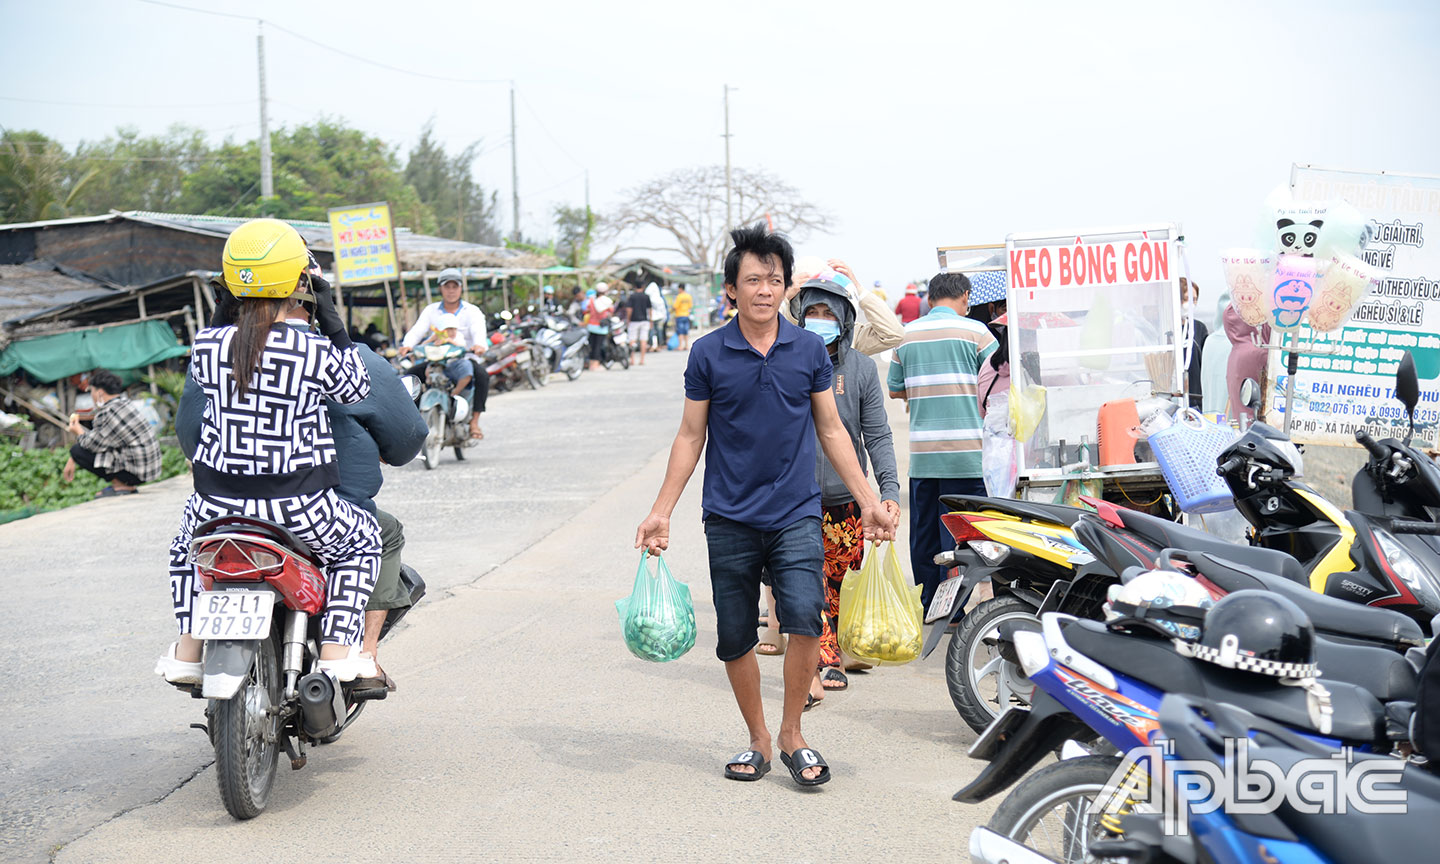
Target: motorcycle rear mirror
{"points": [[1250, 394], [1407, 383], [412, 386]]}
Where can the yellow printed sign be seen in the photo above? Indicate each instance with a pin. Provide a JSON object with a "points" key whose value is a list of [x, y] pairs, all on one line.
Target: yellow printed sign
{"points": [[364, 244]]}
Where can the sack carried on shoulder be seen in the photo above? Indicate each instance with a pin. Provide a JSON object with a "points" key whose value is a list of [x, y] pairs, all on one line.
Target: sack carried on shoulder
{"points": [[657, 619], [880, 613]]}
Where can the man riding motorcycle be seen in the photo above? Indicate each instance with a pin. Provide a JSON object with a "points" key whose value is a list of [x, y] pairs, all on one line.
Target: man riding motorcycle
{"points": [[470, 323]]}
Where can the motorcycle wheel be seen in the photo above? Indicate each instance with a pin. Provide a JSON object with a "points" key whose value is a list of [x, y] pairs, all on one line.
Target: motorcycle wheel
{"points": [[1055, 811], [435, 419], [624, 359], [982, 683], [247, 737], [573, 372], [532, 379]]}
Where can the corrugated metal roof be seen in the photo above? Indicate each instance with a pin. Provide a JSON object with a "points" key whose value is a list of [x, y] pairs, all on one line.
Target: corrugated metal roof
{"points": [[26, 289]]}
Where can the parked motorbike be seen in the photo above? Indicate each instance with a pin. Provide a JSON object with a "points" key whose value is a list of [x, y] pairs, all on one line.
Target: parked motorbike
{"points": [[511, 362], [1045, 558], [1098, 680], [446, 414], [564, 346], [258, 615], [617, 347]]}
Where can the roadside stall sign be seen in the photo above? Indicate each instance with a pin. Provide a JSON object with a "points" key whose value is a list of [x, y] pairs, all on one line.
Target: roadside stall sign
{"points": [[1353, 385], [1093, 318], [364, 244]]}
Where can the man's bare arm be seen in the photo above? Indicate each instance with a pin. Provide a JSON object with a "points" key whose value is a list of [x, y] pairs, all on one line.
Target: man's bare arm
{"points": [[654, 532]]}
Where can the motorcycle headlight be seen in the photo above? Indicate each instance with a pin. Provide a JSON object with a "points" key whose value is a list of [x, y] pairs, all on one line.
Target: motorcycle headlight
{"points": [[1420, 582]]}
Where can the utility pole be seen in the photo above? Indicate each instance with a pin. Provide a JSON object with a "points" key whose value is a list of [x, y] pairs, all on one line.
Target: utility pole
{"points": [[514, 167], [587, 190], [267, 179], [728, 223]]}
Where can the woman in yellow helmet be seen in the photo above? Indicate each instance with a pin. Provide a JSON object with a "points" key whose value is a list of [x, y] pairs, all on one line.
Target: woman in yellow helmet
{"points": [[265, 447]]}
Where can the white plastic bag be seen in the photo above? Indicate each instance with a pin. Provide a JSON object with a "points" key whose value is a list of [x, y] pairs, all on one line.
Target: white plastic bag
{"points": [[998, 465]]}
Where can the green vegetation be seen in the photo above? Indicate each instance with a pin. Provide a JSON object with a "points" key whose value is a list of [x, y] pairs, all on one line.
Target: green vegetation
{"points": [[30, 479]]}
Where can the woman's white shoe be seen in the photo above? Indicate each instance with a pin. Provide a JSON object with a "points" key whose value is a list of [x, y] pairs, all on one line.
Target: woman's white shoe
{"points": [[179, 671], [355, 665]]}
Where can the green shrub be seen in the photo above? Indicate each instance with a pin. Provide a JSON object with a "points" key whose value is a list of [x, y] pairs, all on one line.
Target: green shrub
{"points": [[31, 478]]}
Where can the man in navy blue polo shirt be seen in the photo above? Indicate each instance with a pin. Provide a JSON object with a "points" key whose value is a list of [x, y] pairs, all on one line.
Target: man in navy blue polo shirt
{"points": [[758, 390]]}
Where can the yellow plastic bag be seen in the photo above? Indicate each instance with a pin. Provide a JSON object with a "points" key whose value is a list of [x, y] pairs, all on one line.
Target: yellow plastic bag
{"points": [[1027, 407], [880, 612]]}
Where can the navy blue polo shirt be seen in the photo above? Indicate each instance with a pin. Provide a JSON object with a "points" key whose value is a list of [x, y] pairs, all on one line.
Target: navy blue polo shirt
{"points": [[760, 441]]}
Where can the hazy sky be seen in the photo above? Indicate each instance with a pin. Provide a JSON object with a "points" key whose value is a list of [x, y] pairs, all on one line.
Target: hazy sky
{"points": [[916, 124]]}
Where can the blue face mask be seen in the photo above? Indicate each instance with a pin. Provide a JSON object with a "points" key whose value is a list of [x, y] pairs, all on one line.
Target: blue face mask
{"points": [[828, 330]]}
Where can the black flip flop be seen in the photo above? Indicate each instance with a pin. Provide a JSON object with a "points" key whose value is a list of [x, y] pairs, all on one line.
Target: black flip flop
{"points": [[832, 673], [802, 760], [751, 758]]}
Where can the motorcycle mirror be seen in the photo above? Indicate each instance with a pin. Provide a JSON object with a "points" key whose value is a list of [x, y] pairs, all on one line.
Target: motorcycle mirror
{"points": [[1250, 394], [1407, 389], [412, 386]]}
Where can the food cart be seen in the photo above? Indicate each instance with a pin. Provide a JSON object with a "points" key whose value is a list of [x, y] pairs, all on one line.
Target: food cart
{"points": [[1092, 326]]}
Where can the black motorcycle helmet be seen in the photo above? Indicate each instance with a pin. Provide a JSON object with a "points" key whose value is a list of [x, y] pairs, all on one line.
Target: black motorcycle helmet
{"points": [[1260, 632]]}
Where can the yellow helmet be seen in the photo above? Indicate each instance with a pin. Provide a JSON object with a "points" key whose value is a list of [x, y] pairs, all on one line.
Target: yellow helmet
{"points": [[264, 258]]}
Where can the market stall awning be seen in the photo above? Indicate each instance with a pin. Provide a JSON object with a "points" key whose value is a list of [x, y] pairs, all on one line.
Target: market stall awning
{"points": [[117, 347]]}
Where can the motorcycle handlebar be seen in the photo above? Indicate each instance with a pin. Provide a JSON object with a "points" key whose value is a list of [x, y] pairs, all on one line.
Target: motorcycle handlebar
{"points": [[1229, 465], [1415, 528], [1370, 444]]}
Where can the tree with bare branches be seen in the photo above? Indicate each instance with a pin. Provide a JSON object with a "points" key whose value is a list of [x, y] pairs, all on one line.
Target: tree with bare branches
{"points": [[687, 208]]}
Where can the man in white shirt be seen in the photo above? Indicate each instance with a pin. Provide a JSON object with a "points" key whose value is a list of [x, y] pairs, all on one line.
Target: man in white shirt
{"points": [[470, 323]]}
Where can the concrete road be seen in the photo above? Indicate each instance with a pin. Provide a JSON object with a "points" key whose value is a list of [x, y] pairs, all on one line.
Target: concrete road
{"points": [[522, 729]]}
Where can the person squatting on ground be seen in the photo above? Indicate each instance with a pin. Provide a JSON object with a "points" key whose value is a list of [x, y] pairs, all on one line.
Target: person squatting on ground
{"points": [[824, 306], [469, 377], [385, 426], [120, 445], [757, 391], [936, 371], [265, 446]]}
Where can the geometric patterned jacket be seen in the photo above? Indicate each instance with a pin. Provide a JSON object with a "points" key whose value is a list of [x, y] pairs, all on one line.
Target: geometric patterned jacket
{"points": [[274, 442]]}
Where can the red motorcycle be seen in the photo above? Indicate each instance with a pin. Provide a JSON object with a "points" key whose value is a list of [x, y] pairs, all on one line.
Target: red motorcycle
{"points": [[259, 615]]}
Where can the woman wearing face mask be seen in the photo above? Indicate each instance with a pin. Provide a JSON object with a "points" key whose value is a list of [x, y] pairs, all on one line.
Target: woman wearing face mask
{"points": [[1189, 297], [824, 308]]}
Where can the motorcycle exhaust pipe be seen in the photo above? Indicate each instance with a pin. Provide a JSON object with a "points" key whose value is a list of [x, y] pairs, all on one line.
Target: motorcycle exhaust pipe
{"points": [[322, 704]]}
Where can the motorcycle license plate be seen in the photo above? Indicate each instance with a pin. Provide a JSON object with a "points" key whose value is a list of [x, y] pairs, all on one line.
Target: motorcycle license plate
{"points": [[232, 614], [944, 600]]}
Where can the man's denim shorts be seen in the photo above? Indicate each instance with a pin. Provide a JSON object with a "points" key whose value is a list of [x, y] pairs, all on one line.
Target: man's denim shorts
{"points": [[795, 557]]}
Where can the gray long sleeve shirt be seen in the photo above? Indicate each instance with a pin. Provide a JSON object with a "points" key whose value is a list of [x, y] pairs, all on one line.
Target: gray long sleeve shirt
{"points": [[861, 404]]}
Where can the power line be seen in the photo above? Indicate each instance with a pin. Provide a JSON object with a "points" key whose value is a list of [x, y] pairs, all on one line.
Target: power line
{"points": [[543, 128], [342, 52], [112, 105]]}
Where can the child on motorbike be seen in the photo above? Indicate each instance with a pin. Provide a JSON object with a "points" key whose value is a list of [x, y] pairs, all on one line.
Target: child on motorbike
{"points": [[265, 447]]}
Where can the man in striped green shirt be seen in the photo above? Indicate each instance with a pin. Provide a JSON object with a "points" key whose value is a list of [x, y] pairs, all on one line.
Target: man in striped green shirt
{"points": [[935, 370]]}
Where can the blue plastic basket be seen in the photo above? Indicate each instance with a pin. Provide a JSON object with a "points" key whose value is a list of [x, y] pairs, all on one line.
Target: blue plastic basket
{"points": [[1188, 452]]}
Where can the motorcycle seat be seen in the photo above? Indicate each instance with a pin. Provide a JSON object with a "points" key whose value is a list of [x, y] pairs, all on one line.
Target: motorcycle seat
{"points": [[570, 337], [1386, 674], [1330, 615], [249, 525], [1172, 535], [1058, 514], [1356, 835], [1358, 717]]}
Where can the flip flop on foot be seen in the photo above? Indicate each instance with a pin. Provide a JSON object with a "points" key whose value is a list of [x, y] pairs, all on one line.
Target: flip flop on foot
{"points": [[832, 679], [751, 758], [811, 700], [802, 760], [771, 648], [476, 433]]}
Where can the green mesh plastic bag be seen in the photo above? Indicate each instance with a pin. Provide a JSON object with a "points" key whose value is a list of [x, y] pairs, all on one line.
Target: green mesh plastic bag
{"points": [[657, 619]]}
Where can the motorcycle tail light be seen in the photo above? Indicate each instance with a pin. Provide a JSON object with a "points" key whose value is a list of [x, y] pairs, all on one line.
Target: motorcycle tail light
{"points": [[230, 561], [960, 527]]}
